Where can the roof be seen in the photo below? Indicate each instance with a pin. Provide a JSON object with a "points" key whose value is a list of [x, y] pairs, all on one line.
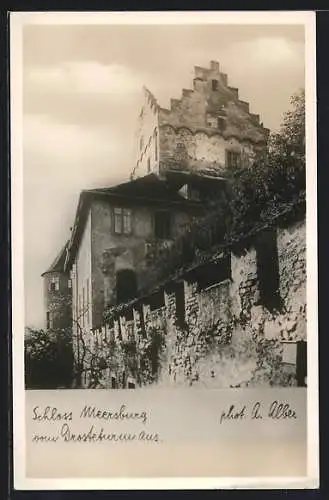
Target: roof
{"points": [[59, 262], [148, 189]]}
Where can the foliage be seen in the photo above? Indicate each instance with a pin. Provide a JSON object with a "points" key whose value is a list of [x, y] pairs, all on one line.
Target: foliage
{"points": [[150, 349], [48, 359], [276, 177]]}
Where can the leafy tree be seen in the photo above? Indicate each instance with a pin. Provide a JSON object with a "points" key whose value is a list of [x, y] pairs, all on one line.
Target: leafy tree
{"points": [[274, 177], [48, 359]]}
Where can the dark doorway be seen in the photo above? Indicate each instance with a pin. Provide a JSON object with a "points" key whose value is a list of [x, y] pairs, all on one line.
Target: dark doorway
{"points": [[126, 285], [268, 269], [301, 364], [113, 383]]}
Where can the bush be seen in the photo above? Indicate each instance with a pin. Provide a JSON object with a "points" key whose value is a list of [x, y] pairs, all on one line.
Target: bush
{"points": [[48, 359]]}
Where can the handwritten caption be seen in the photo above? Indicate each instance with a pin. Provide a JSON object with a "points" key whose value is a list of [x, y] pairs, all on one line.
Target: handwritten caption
{"points": [[95, 433], [276, 410], [105, 425]]}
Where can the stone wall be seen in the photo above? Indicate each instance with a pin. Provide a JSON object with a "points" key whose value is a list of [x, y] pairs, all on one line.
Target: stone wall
{"points": [[147, 138], [199, 330]]}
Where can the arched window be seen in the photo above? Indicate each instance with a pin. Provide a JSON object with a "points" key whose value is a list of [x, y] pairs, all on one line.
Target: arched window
{"points": [[126, 285]]}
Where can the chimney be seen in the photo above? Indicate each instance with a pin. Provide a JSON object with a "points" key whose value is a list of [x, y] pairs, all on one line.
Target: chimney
{"points": [[214, 66]]}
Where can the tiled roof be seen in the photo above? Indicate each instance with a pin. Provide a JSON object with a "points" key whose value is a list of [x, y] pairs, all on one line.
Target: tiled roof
{"points": [[58, 264]]}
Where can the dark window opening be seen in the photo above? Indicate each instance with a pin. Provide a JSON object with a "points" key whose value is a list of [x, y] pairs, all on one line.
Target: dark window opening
{"points": [[48, 320], [301, 364], [214, 84], [193, 193], [129, 315], [180, 304], [156, 300], [214, 272], [233, 159], [126, 285], [113, 383], [54, 284], [268, 270], [162, 225], [131, 385]]}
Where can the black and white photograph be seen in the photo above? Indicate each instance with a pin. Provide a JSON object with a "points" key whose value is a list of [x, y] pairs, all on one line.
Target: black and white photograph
{"points": [[166, 181]]}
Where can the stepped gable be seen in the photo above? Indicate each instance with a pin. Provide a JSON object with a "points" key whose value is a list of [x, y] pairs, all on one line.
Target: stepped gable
{"points": [[212, 97]]}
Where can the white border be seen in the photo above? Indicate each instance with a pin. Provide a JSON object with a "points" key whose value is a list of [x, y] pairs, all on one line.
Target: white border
{"points": [[17, 20]]}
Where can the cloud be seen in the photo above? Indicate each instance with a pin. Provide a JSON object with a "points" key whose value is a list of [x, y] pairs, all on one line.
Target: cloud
{"points": [[84, 77]]}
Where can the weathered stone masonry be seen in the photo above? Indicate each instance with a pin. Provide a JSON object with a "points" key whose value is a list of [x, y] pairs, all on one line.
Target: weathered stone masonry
{"points": [[211, 326]]}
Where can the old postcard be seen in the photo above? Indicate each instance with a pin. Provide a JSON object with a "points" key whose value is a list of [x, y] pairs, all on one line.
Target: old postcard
{"points": [[164, 258]]}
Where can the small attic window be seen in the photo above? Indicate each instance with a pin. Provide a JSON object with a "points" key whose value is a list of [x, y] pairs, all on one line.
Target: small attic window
{"points": [[214, 84], [54, 284], [212, 122]]}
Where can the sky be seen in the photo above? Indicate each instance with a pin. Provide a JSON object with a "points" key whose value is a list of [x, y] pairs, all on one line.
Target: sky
{"points": [[82, 91]]}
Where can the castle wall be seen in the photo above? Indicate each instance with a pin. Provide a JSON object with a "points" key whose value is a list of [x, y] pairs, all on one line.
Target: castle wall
{"points": [[201, 150], [147, 139], [221, 335]]}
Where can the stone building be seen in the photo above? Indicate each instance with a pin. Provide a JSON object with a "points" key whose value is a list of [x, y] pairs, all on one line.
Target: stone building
{"points": [[57, 294], [208, 129], [118, 238], [146, 262]]}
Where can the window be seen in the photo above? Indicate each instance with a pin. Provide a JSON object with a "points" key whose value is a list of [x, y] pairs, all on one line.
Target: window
{"points": [[122, 220], [212, 122], [162, 225], [156, 300], [268, 269], [193, 193], [156, 145], [126, 285], [131, 385], [214, 84], [148, 165], [233, 159], [69, 283], [48, 320], [54, 284]]}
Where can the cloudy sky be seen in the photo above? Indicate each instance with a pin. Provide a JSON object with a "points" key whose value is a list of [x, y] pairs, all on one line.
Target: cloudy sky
{"points": [[82, 92]]}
